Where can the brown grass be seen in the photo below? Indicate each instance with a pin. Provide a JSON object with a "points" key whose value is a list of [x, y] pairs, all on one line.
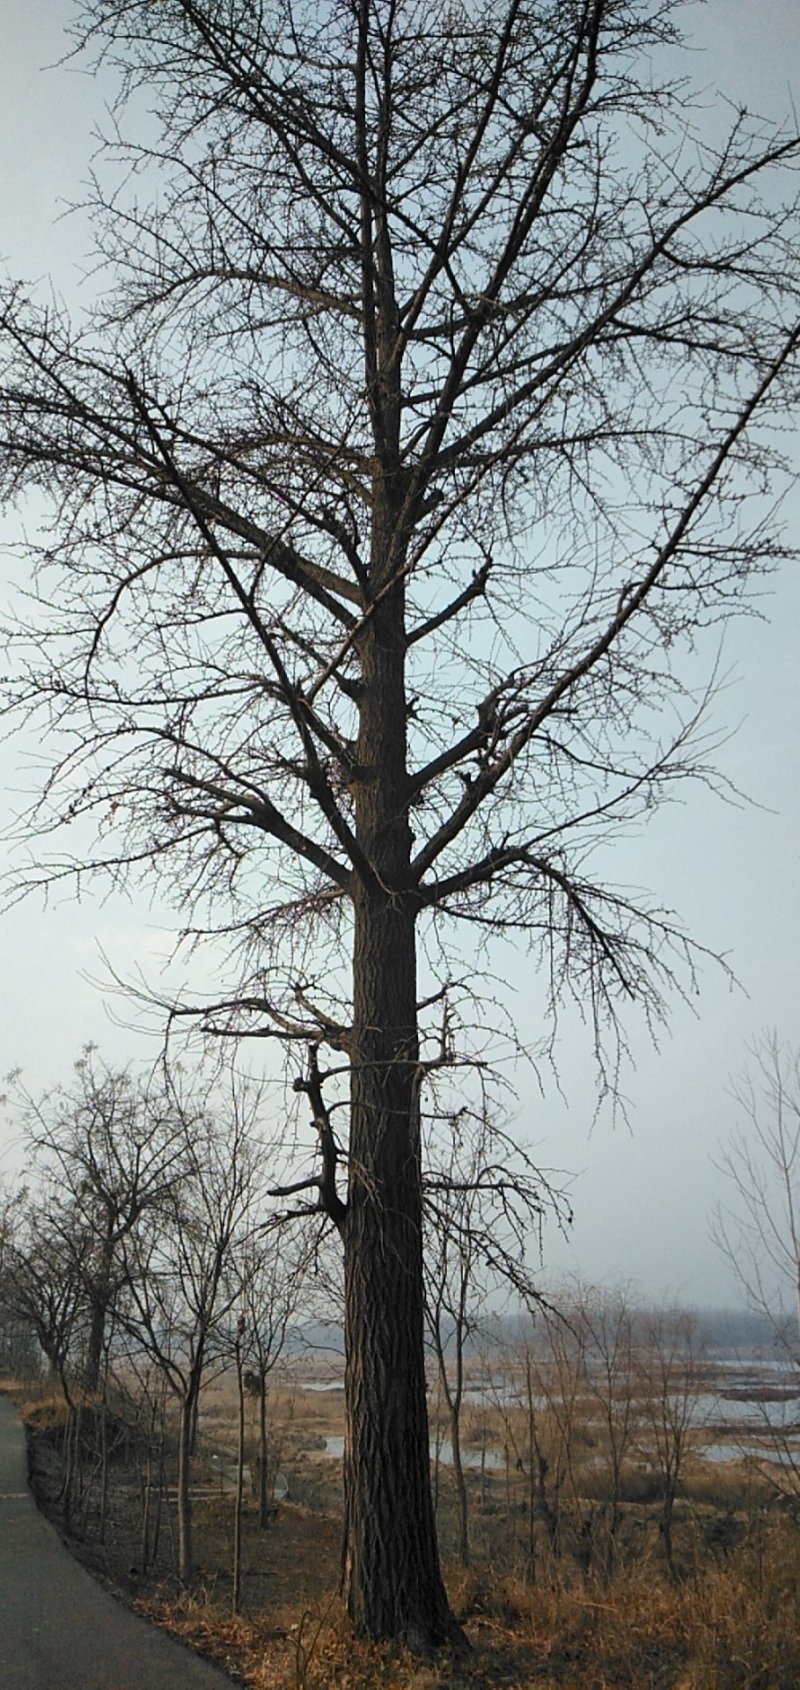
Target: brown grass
{"points": [[718, 1633], [732, 1622]]}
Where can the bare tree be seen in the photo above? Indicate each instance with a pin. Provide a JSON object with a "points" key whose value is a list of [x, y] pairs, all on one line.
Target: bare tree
{"points": [[758, 1227], [484, 1203], [452, 1304], [670, 1379], [180, 1272], [142, 1390], [43, 1282], [607, 1322], [541, 1401], [19, 1350], [107, 1150], [272, 1275], [406, 447], [236, 1579]]}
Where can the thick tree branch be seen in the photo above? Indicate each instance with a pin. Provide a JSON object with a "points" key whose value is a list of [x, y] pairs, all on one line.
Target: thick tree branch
{"points": [[329, 1201]]}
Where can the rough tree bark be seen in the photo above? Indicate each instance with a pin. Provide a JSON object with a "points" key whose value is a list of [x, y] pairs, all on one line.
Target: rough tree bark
{"points": [[100, 1293], [263, 1453], [183, 1499], [391, 1562], [391, 1566]]}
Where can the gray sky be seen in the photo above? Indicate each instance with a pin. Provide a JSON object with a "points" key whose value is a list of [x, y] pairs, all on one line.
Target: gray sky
{"points": [[642, 1195]]}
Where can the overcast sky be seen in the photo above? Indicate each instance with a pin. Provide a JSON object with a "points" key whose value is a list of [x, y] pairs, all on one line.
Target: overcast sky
{"points": [[641, 1195]]}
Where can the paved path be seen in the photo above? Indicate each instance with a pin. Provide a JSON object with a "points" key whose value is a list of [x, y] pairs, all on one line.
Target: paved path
{"points": [[59, 1629]]}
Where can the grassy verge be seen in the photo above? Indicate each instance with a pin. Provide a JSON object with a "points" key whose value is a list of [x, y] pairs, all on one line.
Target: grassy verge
{"points": [[729, 1621]]}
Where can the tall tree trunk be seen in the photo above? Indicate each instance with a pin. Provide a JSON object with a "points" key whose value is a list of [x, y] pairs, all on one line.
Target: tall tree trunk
{"points": [[100, 1299], [103, 1468], [97, 1328], [160, 1492], [456, 1400], [69, 1460], [665, 1525], [453, 1395], [147, 1493], [392, 1577], [184, 1499], [263, 1476], [461, 1486], [391, 1570], [532, 1466], [236, 1593], [437, 1443], [195, 1420]]}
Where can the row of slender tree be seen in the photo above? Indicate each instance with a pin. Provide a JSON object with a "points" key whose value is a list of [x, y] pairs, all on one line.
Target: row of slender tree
{"points": [[145, 1239], [145, 1254], [145, 1258], [148, 1241]]}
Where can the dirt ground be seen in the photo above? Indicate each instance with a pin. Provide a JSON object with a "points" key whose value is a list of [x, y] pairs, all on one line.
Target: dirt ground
{"points": [[731, 1621], [291, 1632], [295, 1560]]}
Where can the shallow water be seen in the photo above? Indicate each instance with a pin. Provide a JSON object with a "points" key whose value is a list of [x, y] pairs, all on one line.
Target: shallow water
{"points": [[494, 1458], [776, 1455], [749, 1422]]}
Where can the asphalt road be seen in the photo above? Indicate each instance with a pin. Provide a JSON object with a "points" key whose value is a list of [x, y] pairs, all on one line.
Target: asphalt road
{"points": [[59, 1630]]}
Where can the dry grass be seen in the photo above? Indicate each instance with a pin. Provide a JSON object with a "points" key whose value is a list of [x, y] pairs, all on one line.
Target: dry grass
{"points": [[719, 1633], [732, 1622]]}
